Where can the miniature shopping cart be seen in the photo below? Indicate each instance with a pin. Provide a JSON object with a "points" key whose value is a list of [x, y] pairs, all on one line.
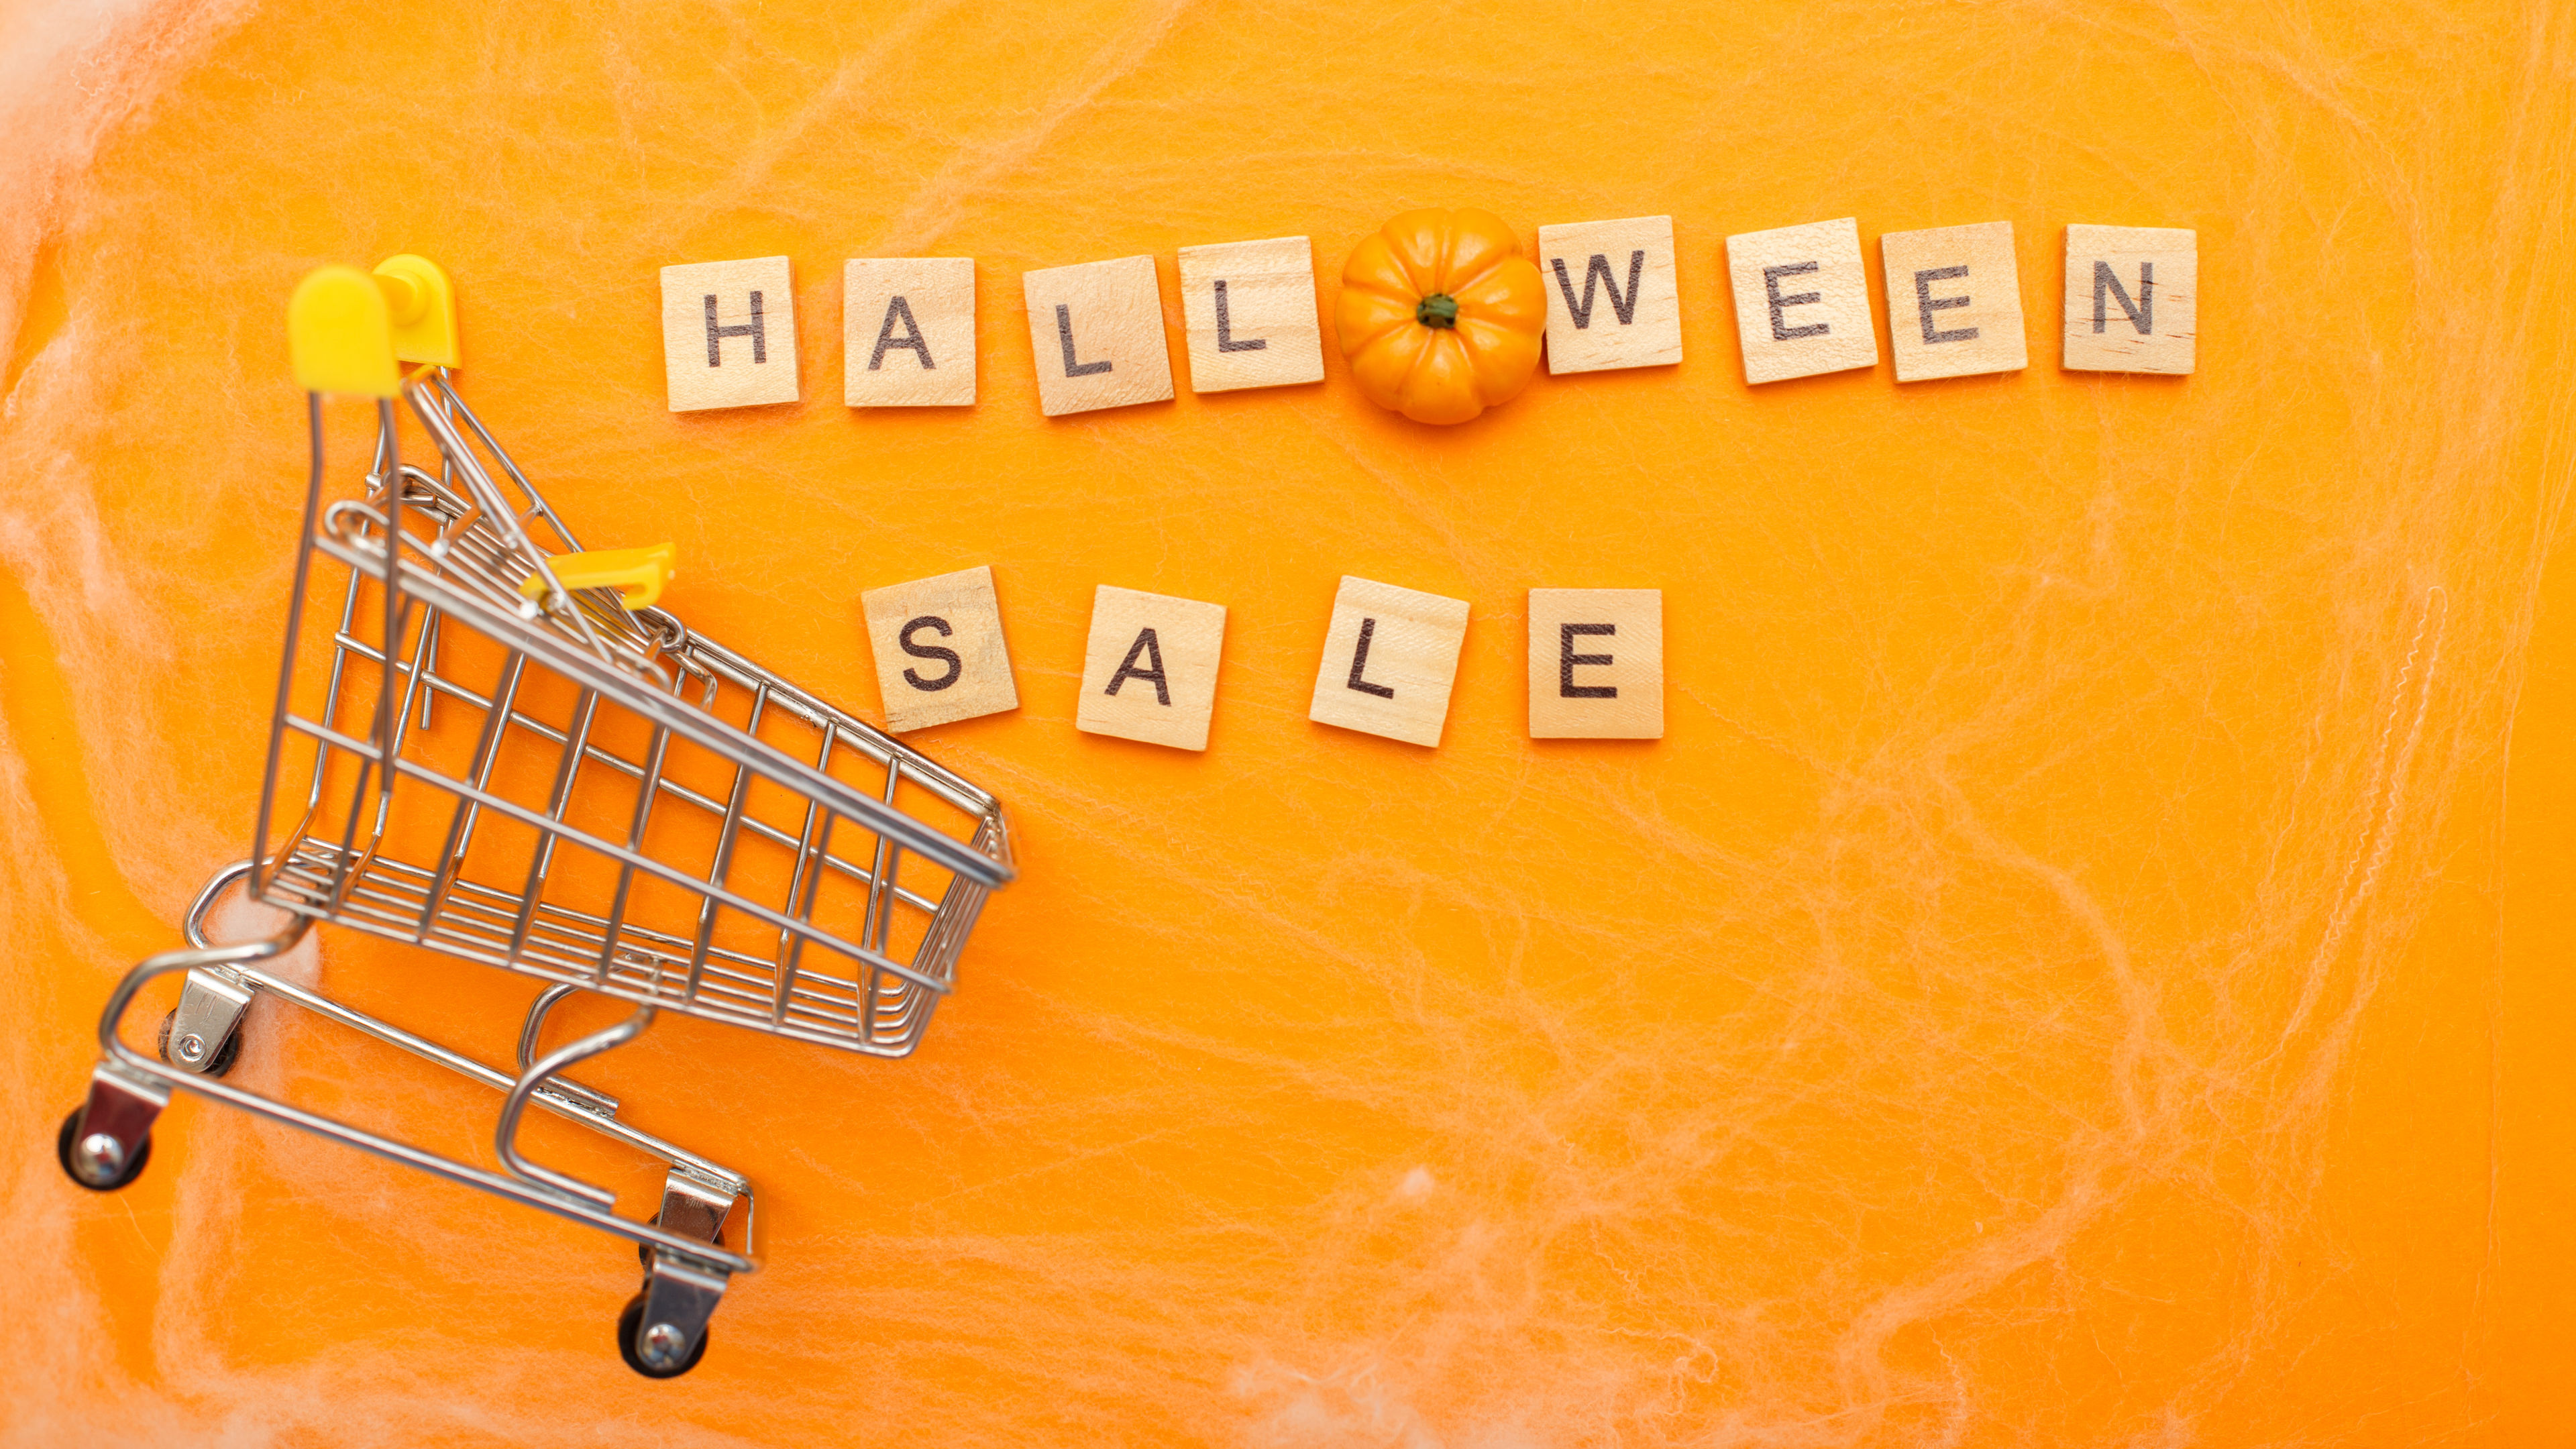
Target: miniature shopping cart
{"points": [[515, 759]]}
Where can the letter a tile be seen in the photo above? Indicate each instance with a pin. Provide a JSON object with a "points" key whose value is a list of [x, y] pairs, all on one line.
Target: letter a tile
{"points": [[1954, 301], [908, 332], [1596, 664], [938, 643], [729, 334], [1097, 329], [1150, 672], [2132, 298], [1390, 657], [1612, 300]]}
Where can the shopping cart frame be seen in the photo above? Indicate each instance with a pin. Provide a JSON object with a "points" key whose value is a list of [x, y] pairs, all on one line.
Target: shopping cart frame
{"points": [[480, 568], [106, 1142]]}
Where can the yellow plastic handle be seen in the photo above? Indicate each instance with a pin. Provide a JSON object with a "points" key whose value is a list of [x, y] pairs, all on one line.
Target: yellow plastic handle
{"points": [[639, 572], [350, 331], [340, 334], [422, 307]]}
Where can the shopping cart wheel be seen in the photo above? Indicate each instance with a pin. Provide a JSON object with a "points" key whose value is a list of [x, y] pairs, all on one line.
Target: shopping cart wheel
{"points": [[64, 1146], [629, 1323], [225, 1055]]}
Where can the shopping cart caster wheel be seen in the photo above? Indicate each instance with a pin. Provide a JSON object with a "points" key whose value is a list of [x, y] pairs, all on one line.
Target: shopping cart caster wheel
{"points": [[108, 1157], [225, 1055], [629, 1327]]}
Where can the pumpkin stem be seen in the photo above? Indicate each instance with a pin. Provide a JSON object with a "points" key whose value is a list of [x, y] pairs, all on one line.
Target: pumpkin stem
{"points": [[1437, 310]]}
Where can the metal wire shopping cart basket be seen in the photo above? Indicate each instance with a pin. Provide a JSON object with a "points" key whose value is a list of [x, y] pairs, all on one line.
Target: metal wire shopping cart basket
{"points": [[490, 744]]}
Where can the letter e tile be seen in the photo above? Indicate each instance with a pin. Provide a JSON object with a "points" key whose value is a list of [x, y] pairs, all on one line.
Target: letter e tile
{"points": [[1801, 300], [1954, 301], [1596, 664]]}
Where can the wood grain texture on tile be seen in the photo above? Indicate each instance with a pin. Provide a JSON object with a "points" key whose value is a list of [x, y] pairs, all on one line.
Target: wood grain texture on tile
{"points": [[1149, 670], [1390, 659], [1097, 331], [2132, 299], [908, 332], [1954, 301], [729, 334], [939, 649], [1596, 664], [1801, 300], [1613, 298], [1252, 314]]}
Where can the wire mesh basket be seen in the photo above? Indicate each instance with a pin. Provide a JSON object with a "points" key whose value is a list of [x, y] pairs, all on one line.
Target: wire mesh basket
{"points": [[493, 745], [592, 794]]}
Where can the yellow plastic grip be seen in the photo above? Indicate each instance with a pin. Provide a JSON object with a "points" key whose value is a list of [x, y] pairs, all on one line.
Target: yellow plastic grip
{"points": [[422, 307], [639, 573], [340, 334], [349, 331]]}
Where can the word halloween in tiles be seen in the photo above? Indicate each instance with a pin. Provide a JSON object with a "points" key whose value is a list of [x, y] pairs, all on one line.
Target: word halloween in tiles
{"points": [[1251, 317]]}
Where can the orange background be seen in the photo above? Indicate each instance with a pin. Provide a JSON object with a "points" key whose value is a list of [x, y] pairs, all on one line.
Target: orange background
{"points": [[2086, 966]]}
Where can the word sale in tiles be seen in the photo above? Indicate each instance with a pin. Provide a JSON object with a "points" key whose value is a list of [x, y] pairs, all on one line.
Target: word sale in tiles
{"points": [[1596, 661], [1803, 306]]}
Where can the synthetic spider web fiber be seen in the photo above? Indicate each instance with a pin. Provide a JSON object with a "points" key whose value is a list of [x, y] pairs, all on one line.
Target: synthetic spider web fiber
{"points": [[2055, 984]]}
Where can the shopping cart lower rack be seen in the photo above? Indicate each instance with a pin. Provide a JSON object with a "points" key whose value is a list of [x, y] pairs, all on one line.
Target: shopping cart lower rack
{"points": [[515, 758]]}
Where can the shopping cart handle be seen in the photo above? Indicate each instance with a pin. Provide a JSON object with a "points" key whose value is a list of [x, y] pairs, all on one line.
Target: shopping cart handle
{"points": [[639, 572], [349, 331], [421, 305], [340, 334]]}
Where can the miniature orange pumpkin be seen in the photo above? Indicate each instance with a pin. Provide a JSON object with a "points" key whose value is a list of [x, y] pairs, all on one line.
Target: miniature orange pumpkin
{"points": [[1441, 315]]}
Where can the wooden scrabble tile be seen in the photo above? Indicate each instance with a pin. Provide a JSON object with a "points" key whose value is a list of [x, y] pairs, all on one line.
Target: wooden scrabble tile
{"points": [[1253, 319], [938, 643], [1150, 672], [908, 332], [1953, 301], [1390, 657], [1596, 664], [729, 334], [1098, 332], [2132, 295], [1801, 300], [1611, 297]]}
